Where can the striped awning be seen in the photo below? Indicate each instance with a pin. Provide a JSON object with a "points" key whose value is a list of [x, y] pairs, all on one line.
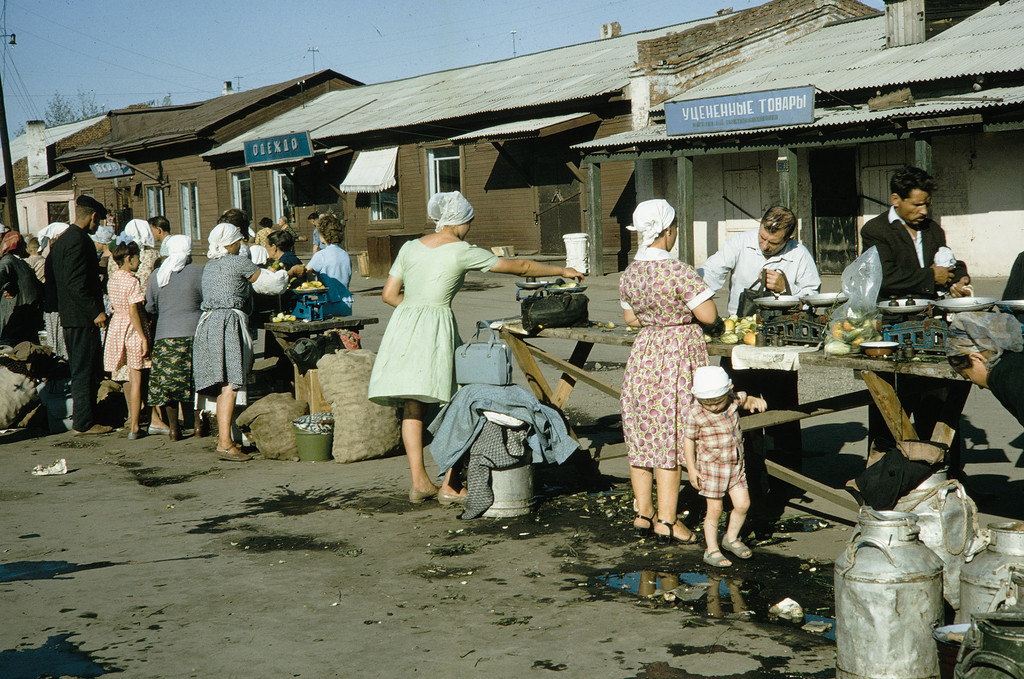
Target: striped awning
{"points": [[372, 171]]}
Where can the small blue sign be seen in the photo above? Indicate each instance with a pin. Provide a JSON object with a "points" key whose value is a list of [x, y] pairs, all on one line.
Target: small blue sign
{"points": [[768, 108], [109, 169], [285, 147]]}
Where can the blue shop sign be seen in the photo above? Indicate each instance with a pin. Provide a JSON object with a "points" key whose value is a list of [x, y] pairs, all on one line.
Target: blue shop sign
{"points": [[282, 148], [768, 108], [110, 169]]}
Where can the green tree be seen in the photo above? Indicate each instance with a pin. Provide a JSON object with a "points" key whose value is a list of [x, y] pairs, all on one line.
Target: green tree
{"points": [[63, 109]]}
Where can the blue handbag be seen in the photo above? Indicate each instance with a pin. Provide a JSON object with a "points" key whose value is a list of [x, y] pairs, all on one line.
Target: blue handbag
{"points": [[488, 362]]}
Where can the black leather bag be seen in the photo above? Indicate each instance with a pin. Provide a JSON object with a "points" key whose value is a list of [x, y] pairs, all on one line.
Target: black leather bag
{"points": [[560, 310], [746, 305]]}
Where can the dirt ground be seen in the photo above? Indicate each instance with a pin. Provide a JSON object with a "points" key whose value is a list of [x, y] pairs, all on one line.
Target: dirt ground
{"points": [[154, 559]]}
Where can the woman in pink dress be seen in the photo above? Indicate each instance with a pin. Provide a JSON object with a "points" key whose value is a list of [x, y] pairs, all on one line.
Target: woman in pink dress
{"points": [[127, 342], [665, 299]]}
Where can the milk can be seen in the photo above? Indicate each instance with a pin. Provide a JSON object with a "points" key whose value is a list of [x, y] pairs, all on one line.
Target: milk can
{"points": [[888, 599], [994, 647], [949, 526], [987, 581]]}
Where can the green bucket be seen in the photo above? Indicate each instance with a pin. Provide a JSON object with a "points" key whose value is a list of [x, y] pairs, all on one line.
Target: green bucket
{"points": [[313, 447]]}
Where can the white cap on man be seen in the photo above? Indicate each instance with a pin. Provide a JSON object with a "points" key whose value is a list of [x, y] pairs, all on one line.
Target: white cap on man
{"points": [[711, 381]]}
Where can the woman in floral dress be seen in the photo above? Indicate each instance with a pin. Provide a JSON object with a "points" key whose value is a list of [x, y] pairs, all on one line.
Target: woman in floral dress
{"points": [[665, 299], [127, 344]]}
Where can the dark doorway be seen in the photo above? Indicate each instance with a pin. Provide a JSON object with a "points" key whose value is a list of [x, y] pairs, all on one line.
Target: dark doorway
{"points": [[558, 204], [834, 206]]}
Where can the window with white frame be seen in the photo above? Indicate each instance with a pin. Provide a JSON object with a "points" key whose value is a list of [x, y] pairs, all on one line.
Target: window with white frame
{"points": [[444, 169], [384, 205], [189, 192], [241, 191], [154, 200], [284, 196]]}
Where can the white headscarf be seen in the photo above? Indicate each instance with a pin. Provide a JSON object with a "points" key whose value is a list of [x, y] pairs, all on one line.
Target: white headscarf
{"points": [[179, 248], [650, 219], [222, 235], [449, 209], [51, 231], [258, 254], [139, 231]]}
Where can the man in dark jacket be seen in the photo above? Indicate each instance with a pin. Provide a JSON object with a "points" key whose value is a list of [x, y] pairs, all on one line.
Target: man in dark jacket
{"points": [[907, 241], [80, 305]]}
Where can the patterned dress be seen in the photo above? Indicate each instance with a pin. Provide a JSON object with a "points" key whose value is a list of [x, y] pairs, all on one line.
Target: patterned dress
{"points": [[123, 345], [719, 447], [658, 380], [222, 349], [147, 262]]}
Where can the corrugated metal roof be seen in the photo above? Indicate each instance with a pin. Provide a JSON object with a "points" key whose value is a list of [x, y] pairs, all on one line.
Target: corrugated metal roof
{"points": [[521, 126], [558, 75], [824, 118], [52, 135], [852, 55]]}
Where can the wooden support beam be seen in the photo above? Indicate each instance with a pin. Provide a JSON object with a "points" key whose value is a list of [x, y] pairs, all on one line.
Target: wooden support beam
{"points": [[888, 403], [825, 406], [595, 227], [684, 208], [577, 373], [567, 382], [833, 495], [575, 171]]}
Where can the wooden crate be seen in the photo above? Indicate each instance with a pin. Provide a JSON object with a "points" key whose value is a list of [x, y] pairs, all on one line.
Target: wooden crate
{"points": [[307, 390]]}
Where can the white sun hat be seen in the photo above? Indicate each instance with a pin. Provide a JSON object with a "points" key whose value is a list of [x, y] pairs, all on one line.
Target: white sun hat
{"points": [[711, 381]]}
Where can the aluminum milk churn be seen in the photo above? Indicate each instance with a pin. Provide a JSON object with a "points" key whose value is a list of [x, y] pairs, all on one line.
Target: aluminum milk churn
{"points": [[949, 526], [987, 582], [994, 647], [888, 600]]}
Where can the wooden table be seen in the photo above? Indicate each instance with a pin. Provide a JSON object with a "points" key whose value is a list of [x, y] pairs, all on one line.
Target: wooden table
{"points": [[287, 333], [878, 390]]}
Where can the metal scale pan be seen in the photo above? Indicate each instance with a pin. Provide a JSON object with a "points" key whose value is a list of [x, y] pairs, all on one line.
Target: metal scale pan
{"points": [[904, 306], [779, 302], [956, 304]]}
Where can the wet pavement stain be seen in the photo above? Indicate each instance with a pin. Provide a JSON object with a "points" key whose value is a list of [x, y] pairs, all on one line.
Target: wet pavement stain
{"points": [[150, 478], [294, 543], [58, 657], [283, 502], [16, 571]]}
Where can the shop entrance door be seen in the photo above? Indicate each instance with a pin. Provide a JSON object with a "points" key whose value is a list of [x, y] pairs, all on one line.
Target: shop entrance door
{"points": [[834, 207]]}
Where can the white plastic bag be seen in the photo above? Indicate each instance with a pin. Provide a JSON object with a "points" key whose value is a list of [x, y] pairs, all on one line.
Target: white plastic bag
{"points": [[271, 282], [856, 321]]}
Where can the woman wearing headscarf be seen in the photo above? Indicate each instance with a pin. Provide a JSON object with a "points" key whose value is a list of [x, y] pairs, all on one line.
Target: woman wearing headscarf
{"points": [[222, 347], [139, 231], [414, 366], [21, 293], [51, 319], [174, 295], [986, 349], [664, 299]]}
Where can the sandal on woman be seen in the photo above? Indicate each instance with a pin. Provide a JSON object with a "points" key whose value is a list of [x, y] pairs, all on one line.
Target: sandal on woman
{"points": [[641, 531], [670, 537], [737, 548], [232, 454], [717, 561]]}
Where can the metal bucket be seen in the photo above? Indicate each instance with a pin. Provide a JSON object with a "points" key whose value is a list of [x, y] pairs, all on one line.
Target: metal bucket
{"points": [[888, 592], [948, 521], [994, 647], [987, 582], [513, 491]]}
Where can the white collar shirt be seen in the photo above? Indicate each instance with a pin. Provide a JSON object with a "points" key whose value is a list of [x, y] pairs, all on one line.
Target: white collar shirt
{"points": [[894, 218], [741, 257]]}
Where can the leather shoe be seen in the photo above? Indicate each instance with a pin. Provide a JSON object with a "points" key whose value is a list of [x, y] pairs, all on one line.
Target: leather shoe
{"points": [[420, 496], [445, 498], [93, 430]]}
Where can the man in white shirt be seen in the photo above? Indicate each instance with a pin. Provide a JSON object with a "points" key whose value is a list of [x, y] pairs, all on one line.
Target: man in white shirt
{"points": [[772, 248]]}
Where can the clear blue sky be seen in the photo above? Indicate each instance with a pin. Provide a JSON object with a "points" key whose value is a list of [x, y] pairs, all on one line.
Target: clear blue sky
{"points": [[127, 51]]}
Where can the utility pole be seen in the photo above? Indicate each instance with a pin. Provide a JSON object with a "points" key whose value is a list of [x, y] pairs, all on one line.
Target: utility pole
{"points": [[238, 83], [313, 51], [10, 199], [513, 32]]}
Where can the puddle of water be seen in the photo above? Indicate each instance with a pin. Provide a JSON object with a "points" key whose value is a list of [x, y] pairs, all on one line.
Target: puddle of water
{"points": [[712, 594], [58, 657]]}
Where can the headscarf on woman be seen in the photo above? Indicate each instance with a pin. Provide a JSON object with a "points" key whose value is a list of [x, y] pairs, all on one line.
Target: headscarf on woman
{"points": [[10, 242], [449, 209], [220, 237], [258, 254], [105, 234], [179, 249], [976, 331], [139, 232], [650, 219], [51, 231]]}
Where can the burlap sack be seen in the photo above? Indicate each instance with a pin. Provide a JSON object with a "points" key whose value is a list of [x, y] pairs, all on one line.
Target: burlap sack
{"points": [[269, 424], [363, 430], [17, 394]]}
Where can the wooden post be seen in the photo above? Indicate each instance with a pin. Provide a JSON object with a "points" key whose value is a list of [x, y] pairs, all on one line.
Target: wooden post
{"points": [[923, 154], [786, 166], [684, 208], [594, 215], [643, 178]]}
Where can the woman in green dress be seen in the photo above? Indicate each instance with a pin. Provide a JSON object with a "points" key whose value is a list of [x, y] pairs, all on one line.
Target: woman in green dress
{"points": [[414, 366]]}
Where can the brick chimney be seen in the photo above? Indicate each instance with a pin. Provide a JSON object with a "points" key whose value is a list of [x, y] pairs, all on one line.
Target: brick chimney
{"points": [[227, 88], [611, 30], [35, 143]]}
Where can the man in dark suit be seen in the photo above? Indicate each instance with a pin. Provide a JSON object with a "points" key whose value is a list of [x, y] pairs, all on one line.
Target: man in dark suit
{"points": [[80, 305], [907, 241]]}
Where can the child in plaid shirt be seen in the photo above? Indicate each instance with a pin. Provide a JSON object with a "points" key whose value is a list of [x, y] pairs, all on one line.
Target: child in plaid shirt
{"points": [[713, 447]]}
